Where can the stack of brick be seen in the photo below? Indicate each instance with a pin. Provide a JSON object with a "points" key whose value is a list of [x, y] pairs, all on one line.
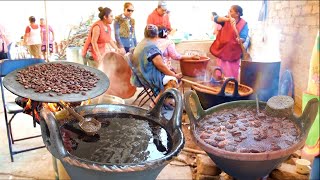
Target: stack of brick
{"points": [[206, 168]]}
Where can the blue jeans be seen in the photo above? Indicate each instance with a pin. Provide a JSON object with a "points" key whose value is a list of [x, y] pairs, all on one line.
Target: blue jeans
{"points": [[9, 54]]}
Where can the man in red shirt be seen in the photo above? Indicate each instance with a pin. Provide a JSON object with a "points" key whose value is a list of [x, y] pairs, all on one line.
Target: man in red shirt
{"points": [[159, 16]]}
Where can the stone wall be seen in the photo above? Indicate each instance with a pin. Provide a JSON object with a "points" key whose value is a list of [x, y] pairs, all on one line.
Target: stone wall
{"points": [[298, 22]]}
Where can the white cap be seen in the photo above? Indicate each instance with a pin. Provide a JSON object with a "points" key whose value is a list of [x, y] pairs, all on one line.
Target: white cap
{"points": [[163, 5]]}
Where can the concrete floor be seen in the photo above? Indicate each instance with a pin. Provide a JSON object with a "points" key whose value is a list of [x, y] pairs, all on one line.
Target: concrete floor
{"points": [[38, 164]]}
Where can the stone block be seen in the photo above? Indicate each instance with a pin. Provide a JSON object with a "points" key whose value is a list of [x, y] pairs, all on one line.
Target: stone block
{"points": [[287, 172], [225, 176], [285, 4], [305, 10], [278, 6], [206, 166], [315, 9], [291, 161], [311, 20], [299, 21], [206, 177], [297, 3], [175, 172], [296, 11]]}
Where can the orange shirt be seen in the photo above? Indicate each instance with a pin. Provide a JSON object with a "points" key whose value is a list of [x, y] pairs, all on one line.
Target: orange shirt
{"points": [[104, 37], [156, 19]]}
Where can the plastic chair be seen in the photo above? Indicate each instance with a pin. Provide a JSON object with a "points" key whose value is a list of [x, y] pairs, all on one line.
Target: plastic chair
{"points": [[7, 66], [147, 93]]}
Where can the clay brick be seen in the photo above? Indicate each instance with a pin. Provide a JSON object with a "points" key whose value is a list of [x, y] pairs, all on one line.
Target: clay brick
{"points": [[206, 166], [287, 172]]}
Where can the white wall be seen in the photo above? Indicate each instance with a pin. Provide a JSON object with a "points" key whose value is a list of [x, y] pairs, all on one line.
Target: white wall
{"points": [[187, 16]]}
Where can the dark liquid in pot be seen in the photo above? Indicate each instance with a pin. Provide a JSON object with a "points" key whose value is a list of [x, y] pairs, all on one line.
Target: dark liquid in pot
{"points": [[241, 129], [121, 139]]}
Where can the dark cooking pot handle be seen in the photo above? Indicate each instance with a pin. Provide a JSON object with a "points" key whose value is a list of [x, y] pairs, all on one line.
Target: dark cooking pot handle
{"points": [[175, 120], [199, 110], [309, 114], [223, 88], [51, 134]]}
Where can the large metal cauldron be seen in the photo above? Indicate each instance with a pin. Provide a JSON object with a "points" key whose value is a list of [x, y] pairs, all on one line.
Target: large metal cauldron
{"points": [[248, 165], [78, 168], [210, 98]]}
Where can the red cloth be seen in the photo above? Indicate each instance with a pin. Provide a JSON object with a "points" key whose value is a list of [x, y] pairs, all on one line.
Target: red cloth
{"points": [[34, 26], [104, 37], [156, 19], [230, 68], [226, 47]]}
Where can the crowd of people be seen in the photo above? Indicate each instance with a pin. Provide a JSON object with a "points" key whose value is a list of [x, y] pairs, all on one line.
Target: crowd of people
{"points": [[34, 38], [151, 56]]}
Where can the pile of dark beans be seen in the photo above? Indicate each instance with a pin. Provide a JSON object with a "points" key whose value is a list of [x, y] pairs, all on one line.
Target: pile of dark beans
{"points": [[57, 79]]}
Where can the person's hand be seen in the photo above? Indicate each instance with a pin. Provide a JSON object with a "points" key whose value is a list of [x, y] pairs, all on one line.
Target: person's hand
{"points": [[239, 40], [99, 58], [122, 51], [232, 21], [178, 75]]}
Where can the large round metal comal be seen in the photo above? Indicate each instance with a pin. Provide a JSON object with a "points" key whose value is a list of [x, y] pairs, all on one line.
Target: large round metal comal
{"points": [[18, 89]]}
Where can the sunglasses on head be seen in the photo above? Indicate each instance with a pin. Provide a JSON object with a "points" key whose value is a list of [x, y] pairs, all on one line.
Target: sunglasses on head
{"points": [[130, 10]]}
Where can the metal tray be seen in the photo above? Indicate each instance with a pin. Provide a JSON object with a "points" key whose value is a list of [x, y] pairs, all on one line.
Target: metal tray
{"points": [[18, 89]]}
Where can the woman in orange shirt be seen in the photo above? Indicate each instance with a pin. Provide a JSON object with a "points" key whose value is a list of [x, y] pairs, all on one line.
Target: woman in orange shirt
{"points": [[99, 38]]}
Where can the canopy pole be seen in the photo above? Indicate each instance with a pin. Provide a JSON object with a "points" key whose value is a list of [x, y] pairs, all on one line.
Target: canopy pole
{"points": [[47, 31]]}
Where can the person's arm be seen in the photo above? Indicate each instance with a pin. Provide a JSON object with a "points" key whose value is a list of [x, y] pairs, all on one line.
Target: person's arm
{"points": [[172, 52], [117, 33], [158, 63], [26, 35], [52, 33], [134, 38], [221, 19], [113, 44], [94, 40], [41, 35]]}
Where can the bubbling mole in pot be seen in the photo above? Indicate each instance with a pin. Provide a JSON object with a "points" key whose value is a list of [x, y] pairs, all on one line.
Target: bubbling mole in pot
{"points": [[242, 130], [121, 139]]}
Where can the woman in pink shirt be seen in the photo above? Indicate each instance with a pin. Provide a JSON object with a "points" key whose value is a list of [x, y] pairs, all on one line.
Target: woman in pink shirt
{"points": [[44, 38], [168, 49]]}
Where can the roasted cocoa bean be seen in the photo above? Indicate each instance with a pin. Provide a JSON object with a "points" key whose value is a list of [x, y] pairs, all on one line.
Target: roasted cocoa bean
{"points": [[57, 77]]}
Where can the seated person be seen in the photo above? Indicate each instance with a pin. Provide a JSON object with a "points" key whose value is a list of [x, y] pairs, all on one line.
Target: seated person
{"points": [[148, 60], [168, 49]]}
